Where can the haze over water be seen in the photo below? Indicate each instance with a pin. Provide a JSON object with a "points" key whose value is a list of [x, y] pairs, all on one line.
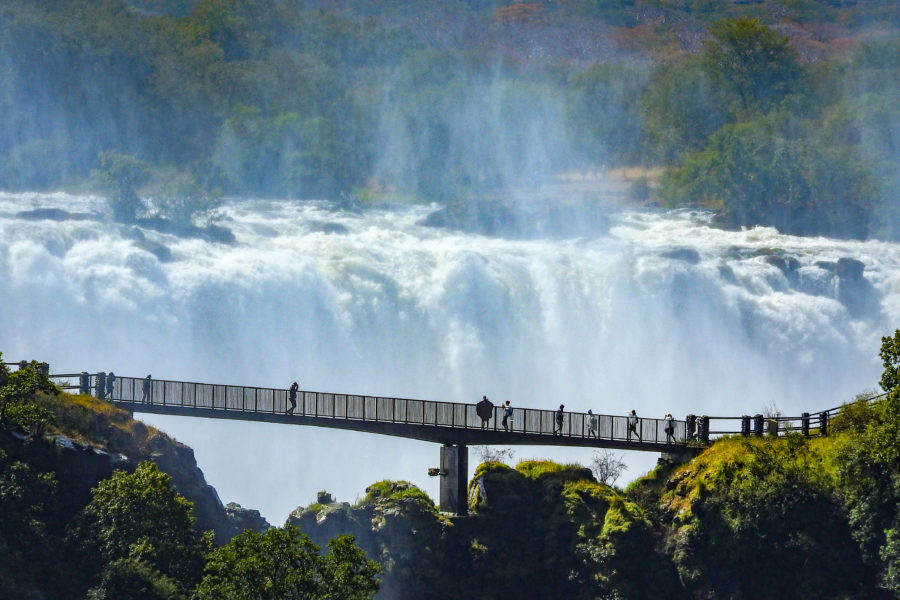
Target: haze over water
{"points": [[661, 313]]}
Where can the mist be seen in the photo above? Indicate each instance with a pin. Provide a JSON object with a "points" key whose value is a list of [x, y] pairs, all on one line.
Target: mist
{"points": [[427, 201], [395, 308]]}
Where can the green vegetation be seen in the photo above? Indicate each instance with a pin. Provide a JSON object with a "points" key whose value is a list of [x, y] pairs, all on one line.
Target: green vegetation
{"points": [[283, 564], [750, 517], [166, 105], [139, 534], [130, 535], [785, 151], [395, 491]]}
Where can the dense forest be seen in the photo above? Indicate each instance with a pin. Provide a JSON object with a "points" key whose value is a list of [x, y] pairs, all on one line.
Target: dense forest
{"points": [[777, 112], [788, 517]]}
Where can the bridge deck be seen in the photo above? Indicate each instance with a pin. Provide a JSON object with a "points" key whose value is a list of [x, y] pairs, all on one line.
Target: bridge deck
{"points": [[427, 420]]}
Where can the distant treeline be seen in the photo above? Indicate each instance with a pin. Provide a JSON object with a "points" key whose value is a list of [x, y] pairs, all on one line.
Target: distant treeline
{"points": [[780, 113]]}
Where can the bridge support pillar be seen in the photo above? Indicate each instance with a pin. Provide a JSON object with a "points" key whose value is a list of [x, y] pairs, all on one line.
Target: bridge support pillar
{"points": [[454, 476]]}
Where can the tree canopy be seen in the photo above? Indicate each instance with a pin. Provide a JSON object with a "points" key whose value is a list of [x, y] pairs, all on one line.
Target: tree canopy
{"points": [[141, 535], [305, 100], [284, 564]]}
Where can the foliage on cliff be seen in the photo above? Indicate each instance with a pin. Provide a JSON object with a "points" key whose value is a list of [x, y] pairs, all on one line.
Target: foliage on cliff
{"points": [[127, 533], [788, 517], [283, 564]]}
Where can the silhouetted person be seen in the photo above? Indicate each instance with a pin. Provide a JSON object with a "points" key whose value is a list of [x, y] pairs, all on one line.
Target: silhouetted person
{"points": [[485, 410], [507, 416], [146, 395], [592, 424], [292, 397], [633, 426], [559, 420], [670, 428], [110, 384]]}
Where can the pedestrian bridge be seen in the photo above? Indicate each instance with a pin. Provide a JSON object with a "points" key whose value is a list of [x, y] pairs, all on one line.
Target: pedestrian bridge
{"points": [[454, 425]]}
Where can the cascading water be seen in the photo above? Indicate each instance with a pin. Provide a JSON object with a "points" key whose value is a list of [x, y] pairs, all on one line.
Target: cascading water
{"points": [[664, 313]]}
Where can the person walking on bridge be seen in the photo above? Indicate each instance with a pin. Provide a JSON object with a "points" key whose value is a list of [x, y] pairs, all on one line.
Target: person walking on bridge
{"points": [[592, 424], [559, 420], [507, 416], [485, 410], [633, 426], [292, 396], [146, 395], [110, 384], [670, 428]]}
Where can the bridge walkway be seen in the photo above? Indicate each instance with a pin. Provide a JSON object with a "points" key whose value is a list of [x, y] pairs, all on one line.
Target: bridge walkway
{"points": [[454, 425]]}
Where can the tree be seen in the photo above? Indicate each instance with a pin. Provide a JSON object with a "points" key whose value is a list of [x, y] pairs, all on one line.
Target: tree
{"points": [[346, 572], [604, 119], [680, 109], [19, 389], [760, 172], [140, 534], [284, 564], [890, 356], [607, 466], [120, 174], [750, 63], [26, 497], [868, 471], [494, 454], [182, 198]]}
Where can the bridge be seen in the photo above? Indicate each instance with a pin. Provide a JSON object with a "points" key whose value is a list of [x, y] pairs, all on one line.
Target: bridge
{"points": [[454, 425]]}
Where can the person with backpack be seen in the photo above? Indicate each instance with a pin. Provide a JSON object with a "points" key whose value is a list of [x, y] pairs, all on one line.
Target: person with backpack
{"points": [[559, 420], [507, 416], [110, 384], [485, 410]]}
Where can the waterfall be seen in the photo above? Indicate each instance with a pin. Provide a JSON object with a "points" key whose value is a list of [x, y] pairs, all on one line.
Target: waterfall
{"points": [[662, 313]]}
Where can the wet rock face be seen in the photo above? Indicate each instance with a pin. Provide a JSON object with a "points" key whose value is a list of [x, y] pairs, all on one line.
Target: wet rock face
{"points": [[397, 525], [80, 467], [535, 219], [786, 264], [849, 269], [178, 460], [688, 255], [854, 291], [243, 519]]}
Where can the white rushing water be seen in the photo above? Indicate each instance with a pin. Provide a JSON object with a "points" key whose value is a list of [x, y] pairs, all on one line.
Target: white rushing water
{"points": [[664, 313]]}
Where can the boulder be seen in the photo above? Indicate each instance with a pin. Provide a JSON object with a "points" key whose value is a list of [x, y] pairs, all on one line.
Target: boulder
{"points": [[849, 269]]}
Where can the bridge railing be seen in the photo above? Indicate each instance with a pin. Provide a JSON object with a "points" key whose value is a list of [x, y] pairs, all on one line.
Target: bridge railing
{"points": [[366, 408], [437, 414]]}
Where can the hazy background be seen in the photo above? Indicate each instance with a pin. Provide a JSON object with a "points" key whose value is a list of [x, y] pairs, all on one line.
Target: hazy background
{"points": [[391, 307], [607, 204]]}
